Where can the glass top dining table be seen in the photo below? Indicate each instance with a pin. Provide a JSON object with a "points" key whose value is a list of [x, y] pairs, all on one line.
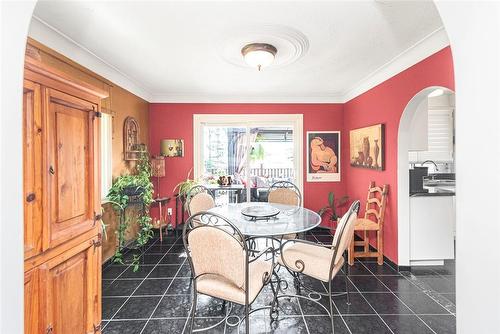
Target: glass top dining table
{"points": [[291, 219]]}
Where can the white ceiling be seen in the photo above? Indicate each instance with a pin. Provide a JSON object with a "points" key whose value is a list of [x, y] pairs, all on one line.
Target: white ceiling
{"points": [[186, 51]]}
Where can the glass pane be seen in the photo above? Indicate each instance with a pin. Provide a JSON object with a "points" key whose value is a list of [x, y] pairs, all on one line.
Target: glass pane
{"points": [[224, 162], [271, 159]]}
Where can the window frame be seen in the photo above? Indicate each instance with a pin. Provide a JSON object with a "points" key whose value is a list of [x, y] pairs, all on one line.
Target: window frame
{"points": [[295, 121]]}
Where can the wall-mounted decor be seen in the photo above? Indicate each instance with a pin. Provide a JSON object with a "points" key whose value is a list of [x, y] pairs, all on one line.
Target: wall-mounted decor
{"points": [[132, 149], [172, 147], [367, 147], [323, 156]]}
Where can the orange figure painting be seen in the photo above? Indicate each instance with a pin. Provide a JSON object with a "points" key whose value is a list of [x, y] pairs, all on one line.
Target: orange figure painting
{"points": [[323, 156]]}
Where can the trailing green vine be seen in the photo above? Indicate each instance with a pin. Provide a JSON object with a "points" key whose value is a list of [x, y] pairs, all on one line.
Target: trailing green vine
{"points": [[139, 188]]}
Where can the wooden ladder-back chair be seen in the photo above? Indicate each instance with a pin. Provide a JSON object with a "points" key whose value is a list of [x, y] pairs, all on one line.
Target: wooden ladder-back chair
{"points": [[372, 221]]}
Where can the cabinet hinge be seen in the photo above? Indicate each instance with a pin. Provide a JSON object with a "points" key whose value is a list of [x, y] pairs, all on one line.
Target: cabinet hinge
{"points": [[97, 217], [97, 243], [97, 328], [49, 329], [98, 114]]}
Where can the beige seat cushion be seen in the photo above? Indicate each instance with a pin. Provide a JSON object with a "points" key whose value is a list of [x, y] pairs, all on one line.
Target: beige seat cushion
{"points": [[220, 287], [283, 196], [215, 251], [316, 260], [201, 202]]}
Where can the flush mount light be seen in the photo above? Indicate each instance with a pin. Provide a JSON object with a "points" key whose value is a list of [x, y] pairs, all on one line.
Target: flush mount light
{"points": [[259, 54]]}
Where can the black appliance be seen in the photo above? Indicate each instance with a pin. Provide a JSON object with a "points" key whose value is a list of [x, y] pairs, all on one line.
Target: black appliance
{"points": [[417, 180]]}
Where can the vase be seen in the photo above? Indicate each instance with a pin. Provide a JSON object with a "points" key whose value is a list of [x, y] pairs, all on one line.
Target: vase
{"points": [[376, 151]]}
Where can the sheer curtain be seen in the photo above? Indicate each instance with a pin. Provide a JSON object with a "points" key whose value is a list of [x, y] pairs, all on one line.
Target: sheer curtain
{"points": [[238, 150]]}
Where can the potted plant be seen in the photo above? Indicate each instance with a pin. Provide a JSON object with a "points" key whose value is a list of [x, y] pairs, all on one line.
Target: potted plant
{"points": [[137, 186], [333, 204], [183, 187]]}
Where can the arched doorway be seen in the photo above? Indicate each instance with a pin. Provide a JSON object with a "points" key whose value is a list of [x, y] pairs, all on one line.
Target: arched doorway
{"points": [[404, 133]]}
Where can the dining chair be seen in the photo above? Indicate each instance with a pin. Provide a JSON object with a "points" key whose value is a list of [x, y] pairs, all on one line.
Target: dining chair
{"points": [[199, 198], [222, 265], [285, 192], [320, 261], [373, 221]]}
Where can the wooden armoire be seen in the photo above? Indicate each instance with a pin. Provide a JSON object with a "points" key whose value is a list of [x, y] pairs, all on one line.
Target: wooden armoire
{"points": [[62, 230]]}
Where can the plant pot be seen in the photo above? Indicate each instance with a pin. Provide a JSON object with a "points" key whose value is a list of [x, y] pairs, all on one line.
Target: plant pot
{"points": [[133, 191]]}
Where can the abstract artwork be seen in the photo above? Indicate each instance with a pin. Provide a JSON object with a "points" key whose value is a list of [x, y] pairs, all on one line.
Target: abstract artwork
{"points": [[323, 156], [367, 147]]}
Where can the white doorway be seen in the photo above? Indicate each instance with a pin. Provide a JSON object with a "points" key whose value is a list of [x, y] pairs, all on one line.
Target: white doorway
{"points": [[405, 141]]}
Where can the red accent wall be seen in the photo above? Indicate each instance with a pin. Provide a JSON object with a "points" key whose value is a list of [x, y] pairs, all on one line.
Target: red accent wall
{"points": [[385, 103], [169, 120]]}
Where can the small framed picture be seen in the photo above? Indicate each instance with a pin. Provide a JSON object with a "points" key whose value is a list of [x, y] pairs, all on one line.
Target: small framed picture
{"points": [[172, 147], [323, 156]]}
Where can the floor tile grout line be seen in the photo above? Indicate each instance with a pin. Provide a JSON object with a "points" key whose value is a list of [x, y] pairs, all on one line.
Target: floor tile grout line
{"points": [[425, 292], [159, 301], [302, 315], [130, 264], [355, 286], [112, 317], [342, 316], [324, 287], [411, 310]]}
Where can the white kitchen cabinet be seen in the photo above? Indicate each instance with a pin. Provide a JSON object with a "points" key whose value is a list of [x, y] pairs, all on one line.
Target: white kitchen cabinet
{"points": [[431, 229]]}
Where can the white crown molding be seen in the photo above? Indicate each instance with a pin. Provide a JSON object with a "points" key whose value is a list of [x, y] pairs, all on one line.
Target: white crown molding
{"points": [[58, 41], [427, 46], [55, 39], [197, 98]]}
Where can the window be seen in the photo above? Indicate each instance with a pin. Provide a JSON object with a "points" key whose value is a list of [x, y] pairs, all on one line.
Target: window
{"points": [[106, 153], [255, 150]]}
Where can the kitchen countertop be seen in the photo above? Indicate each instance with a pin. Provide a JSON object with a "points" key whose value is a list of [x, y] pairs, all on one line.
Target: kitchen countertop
{"points": [[436, 191]]}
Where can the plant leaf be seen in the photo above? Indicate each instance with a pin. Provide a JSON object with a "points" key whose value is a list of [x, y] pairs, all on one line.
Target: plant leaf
{"points": [[331, 198]]}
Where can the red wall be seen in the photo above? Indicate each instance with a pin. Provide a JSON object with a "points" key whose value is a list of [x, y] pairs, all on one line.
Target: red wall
{"points": [[382, 104], [385, 104], [168, 120]]}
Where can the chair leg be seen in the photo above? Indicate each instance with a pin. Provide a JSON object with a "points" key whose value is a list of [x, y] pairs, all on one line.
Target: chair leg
{"points": [[351, 252], [366, 241], [193, 309], [380, 248], [331, 305], [346, 276], [247, 320]]}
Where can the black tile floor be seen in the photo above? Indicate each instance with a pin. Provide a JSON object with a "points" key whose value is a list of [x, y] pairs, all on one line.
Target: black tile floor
{"points": [[157, 299]]}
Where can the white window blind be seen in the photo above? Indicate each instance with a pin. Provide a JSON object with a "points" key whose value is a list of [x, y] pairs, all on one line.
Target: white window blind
{"points": [[439, 135], [106, 154]]}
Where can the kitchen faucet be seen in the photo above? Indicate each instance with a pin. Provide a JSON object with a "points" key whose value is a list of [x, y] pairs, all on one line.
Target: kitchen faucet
{"points": [[430, 161]]}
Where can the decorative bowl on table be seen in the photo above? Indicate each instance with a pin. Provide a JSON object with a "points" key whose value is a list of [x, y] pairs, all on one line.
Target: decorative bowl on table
{"points": [[256, 212]]}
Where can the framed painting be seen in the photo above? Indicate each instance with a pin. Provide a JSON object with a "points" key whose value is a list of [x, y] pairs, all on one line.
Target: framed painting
{"points": [[172, 147], [367, 147], [323, 156]]}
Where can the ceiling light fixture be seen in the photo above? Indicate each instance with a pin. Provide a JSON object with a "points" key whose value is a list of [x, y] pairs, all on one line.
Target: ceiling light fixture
{"points": [[259, 54]]}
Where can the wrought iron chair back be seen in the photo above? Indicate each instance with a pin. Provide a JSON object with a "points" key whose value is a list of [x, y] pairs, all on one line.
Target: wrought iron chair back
{"points": [[199, 198], [284, 192], [343, 234], [204, 224]]}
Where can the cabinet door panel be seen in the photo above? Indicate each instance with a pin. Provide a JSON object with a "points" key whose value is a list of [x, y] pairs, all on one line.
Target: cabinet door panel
{"points": [[32, 169], [33, 303], [71, 165], [72, 290]]}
